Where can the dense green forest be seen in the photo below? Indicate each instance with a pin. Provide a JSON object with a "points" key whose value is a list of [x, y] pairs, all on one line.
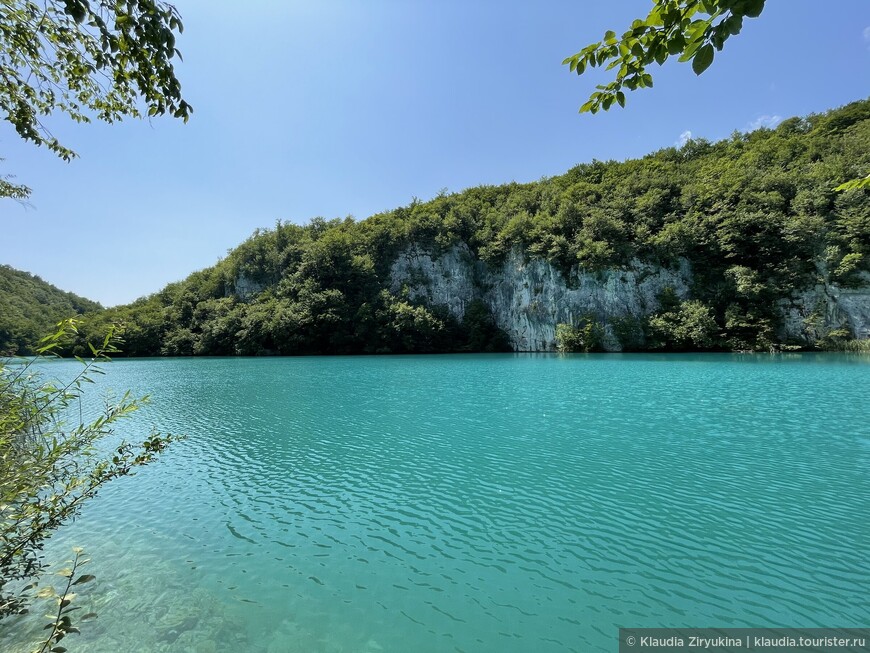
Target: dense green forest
{"points": [[30, 308], [755, 215]]}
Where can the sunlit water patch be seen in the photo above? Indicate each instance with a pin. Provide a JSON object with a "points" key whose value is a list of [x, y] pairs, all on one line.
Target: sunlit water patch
{"points": [[504, 503]]}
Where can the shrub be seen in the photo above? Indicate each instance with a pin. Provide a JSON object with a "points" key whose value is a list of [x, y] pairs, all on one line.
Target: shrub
{"points": [[48, 466], [690, 325], [585, 336]]}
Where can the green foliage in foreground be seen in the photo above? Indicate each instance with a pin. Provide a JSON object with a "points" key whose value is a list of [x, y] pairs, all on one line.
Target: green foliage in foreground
{"points": [[86, 59], [30, 307], [691, 29], [61, 623], [50, 465], [855, 184], [755, 215]]}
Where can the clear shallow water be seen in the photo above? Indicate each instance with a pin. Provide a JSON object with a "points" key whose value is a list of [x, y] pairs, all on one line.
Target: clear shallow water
{"points": [[480, 503]]}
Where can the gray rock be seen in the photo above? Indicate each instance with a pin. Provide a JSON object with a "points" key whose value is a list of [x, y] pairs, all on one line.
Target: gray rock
{"points": [[529, 297]]}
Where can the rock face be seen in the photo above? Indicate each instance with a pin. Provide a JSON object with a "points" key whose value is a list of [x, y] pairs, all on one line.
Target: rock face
{"points": [[814, 312], [245, 287], [529, 297]]}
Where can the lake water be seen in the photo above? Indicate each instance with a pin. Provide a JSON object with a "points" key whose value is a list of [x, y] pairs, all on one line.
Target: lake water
{"points": [[499, 503]]}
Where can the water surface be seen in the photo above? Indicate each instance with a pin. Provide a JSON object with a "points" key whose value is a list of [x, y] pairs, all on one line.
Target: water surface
{"points": [[501, 503]]}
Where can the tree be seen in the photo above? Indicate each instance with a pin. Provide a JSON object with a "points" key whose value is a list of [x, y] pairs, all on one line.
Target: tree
{"points": [[692, 29], [88, 59]]}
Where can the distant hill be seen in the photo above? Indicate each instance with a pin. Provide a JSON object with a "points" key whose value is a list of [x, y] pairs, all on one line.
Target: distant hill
{"points": [[741, 244], [30, 307]]}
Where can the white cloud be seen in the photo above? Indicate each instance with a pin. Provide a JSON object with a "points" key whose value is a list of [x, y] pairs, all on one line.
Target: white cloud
{"points": [[867, 36], [764, 121], [684, 138]]}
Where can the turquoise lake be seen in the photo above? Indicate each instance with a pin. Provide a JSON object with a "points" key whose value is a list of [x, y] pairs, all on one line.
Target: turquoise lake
{"points": [[492, 503]]}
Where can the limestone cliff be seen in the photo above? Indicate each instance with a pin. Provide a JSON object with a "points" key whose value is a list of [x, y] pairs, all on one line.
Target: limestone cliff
{"points": [[814, 312], [529, 297]]}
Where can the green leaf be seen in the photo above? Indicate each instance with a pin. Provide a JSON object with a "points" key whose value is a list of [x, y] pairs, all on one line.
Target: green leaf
{"points": [[86, 578], [703, 59], [734, 24], [620, 98], [698, 29], [689, 52], [753, 8], [854, 184]]}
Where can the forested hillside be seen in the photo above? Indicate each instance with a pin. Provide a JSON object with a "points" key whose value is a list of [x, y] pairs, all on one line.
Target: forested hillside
{"points": [[755, 216], [30, 307]]}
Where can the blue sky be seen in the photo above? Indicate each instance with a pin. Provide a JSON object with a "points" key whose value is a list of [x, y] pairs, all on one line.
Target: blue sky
{"points": [[336, 108]]}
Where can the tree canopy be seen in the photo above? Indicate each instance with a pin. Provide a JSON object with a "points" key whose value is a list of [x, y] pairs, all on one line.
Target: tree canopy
{"points": [[87, 59]]}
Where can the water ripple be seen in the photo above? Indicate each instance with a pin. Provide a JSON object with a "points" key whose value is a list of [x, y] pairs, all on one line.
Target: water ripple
{"points": [[502, 503]]}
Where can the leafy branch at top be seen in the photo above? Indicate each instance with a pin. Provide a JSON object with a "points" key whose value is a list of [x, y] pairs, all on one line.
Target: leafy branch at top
{"points": [[88, 59], [690, 29]]}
